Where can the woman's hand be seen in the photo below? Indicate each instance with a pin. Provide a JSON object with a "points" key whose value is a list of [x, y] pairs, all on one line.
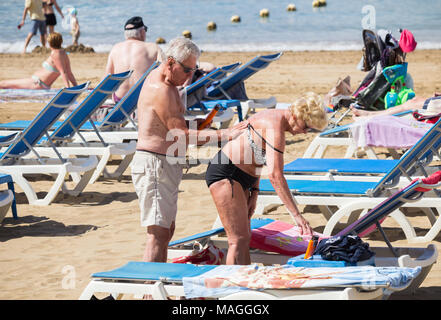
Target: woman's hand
{"points": [[303, 224]]}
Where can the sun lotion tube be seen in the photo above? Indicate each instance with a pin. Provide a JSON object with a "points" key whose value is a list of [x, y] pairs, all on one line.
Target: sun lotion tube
{"points": [[209, 117], [311, 247]]}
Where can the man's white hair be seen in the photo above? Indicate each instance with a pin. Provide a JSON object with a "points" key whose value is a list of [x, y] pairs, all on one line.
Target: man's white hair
{"points": [[181, 49], [134, 33]]}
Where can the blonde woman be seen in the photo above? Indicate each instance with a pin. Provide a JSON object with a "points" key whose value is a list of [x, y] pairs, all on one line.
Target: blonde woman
{"points": [[55, 65], [233, 174]]}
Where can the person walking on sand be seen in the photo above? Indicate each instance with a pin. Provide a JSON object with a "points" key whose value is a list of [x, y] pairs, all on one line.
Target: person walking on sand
{"points": [[132, 54], [35, 9], [48, 9], [55, 65], [163, 137]]}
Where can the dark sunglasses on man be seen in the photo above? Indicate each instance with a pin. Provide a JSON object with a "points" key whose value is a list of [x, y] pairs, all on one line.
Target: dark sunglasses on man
{"points": [[185, 68]]}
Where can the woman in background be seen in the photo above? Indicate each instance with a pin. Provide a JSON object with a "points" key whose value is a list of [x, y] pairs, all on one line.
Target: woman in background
{"points": [[57, 64], [48, 10]]}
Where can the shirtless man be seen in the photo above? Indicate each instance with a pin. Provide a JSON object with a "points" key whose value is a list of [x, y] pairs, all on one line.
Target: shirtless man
{"points": [[132, 54], [156, 171]]}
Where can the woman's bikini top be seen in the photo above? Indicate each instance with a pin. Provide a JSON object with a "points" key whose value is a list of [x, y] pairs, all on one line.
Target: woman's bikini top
{"points": [[259, 153], [48, 67]]}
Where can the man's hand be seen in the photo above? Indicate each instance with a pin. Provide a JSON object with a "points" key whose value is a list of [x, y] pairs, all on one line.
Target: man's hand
{"points": [[237, 129]]}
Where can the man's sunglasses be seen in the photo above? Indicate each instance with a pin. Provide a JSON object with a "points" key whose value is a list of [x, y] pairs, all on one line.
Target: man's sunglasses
{"points": [[187, 69]]}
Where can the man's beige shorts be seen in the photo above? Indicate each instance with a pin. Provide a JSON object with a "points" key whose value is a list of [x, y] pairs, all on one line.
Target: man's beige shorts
{"points": [[156, 183]]}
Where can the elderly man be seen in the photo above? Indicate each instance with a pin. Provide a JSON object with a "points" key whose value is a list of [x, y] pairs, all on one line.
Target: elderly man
{"points": [[162, 130], [132, 54]]}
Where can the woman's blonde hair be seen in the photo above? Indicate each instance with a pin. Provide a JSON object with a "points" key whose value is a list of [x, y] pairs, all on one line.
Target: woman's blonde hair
{"points": [[55, 40], [309, 108]]}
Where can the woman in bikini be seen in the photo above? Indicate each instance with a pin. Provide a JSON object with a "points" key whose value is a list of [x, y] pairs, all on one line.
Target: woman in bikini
{"points": [[48, 10], [233, 174], [55, 65]]}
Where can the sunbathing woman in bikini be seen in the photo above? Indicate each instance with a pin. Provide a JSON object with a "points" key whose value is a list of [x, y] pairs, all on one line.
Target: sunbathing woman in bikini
{"points": [[233, 174], [55, 65]]}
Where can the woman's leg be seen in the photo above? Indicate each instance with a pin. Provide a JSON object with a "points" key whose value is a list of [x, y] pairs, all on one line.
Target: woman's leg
{"points": [[233, 212], [26, 83]]}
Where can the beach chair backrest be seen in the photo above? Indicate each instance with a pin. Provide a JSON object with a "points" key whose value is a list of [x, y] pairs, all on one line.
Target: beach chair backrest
{"points": [[380, 211], [209, 78], [418, 156], [243, 73], [122, 110], [43, 121], [89, 105]]}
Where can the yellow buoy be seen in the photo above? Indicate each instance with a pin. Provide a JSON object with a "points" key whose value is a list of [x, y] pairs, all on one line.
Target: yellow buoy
{"points": [[160, 40], [264, 13], [211, 25], [235, 19], [291, 7], [316, 4], [186, 34]]}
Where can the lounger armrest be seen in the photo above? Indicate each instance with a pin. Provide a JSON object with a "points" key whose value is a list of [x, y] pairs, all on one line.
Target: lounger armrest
{"points": [[8, 140]]}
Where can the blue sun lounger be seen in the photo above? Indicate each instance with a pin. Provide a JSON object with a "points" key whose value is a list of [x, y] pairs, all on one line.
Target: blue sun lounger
{"points": [[199, 101], [59, 141], [350, 196], [121, 112], [211, 77], [187, 280], [7, 197], [219, 90], [58, 144], [14, 159]]}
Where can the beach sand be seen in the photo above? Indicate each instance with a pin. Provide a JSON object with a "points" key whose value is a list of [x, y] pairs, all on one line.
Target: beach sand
{"points": [[50, 252]]}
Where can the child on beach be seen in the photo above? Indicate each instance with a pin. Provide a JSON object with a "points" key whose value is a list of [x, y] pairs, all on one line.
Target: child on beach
{"points": [[74, 26]]}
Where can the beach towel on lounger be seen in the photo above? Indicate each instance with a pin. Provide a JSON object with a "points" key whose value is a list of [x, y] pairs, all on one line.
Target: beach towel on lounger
{"points": [[388, 132], [280, 237], [224, 279]]}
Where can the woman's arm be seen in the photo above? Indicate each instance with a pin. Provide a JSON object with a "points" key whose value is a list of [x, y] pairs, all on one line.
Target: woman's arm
{"points": [[274, 161], [58, 9], [62, 63], [70, 74]]}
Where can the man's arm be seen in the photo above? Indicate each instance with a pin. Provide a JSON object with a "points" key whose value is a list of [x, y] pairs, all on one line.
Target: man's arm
{"points": [[110, 68], [25, 12]]}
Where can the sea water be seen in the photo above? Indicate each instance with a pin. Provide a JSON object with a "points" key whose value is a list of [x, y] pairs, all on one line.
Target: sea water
{"points": [[336, 26]]}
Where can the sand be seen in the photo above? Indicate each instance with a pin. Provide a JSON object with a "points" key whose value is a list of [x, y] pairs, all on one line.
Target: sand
{"points": [[50, 252]]}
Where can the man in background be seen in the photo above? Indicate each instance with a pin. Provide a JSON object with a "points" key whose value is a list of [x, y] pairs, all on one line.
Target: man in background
{"points": [[35, 9], [132, 54]]}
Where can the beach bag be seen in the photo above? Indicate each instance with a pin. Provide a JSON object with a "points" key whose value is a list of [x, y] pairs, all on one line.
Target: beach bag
{"points": [[208, 254], [426, 118]]}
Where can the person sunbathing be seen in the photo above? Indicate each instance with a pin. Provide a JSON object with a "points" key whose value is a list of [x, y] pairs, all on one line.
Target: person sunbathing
{"points": [[55, 65], [233, 174], [410, 105]]}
